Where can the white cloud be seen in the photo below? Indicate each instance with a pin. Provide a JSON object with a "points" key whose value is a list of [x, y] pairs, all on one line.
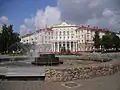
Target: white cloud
{"points": [[103, 13], [49, 16], [95, 3], [28, 22], [24, 30], [108, 13], [93, 21], [3, 20]]}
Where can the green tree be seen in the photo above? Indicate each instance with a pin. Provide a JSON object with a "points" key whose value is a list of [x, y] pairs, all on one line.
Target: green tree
{"points": [[8, 37], [97, 40], [115, 41], [107, 41]]}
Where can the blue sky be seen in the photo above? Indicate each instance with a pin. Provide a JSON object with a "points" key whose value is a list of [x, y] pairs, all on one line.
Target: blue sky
{"points": [[17, 10], [29, 15]]}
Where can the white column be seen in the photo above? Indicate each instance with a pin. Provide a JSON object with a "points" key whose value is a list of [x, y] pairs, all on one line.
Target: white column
{"points": [[58, 46], [75, 46], [70, 45], [54, 46], [66, 45]]}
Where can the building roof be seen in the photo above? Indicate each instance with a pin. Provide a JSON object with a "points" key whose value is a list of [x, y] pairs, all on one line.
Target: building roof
{"points": [[92, 29], [64, 24], [40, 30]]}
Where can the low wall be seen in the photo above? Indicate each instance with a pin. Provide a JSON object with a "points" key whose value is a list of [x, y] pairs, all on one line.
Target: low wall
{"points": [[91, 71]]}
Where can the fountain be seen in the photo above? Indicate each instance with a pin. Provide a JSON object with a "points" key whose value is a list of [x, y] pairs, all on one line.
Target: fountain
{"points": [[44, 56], [26, 67], [38, 54]]}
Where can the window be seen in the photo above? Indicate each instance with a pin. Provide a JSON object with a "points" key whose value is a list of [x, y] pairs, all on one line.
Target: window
{"points": [[71, 36], [64, 37], [71, 45], [60, 32], [52, 33], [55, 46], [71, 32], [87, 35], [67, 32], [68, 45], [56, 33], [45, 32], [59, 46], [49, 33], [68, 36], [76, 31], [60, 37], [82, 36], [63, 32]]}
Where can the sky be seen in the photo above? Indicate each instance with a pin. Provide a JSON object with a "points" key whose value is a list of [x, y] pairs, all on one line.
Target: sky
{"points": [[31, 15]]}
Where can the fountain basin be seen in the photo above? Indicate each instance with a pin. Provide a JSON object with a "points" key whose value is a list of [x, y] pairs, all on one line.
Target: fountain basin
{"points": [[47, 59]]}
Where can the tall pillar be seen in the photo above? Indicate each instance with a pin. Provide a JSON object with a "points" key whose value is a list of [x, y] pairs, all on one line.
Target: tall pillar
{"points": [[73, 46], [53, 47], [70, 45], [58, 46], [66, 45], [76, 47]]}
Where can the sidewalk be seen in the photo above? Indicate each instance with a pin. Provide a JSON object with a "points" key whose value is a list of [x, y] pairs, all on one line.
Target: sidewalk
{"points": [[100, 83]]}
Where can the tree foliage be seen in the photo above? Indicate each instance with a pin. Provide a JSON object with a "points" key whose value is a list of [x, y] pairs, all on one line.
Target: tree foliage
{"points": [[97, 40], [110, 40], [116, 41], [107, 40], [7, 37]]}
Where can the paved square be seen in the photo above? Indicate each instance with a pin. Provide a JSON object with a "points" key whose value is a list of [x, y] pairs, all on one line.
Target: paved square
{"points": [[71, 84]]}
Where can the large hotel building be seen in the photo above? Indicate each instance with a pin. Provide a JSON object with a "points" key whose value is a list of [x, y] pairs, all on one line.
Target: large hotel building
{"points": [[73, 37]]}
